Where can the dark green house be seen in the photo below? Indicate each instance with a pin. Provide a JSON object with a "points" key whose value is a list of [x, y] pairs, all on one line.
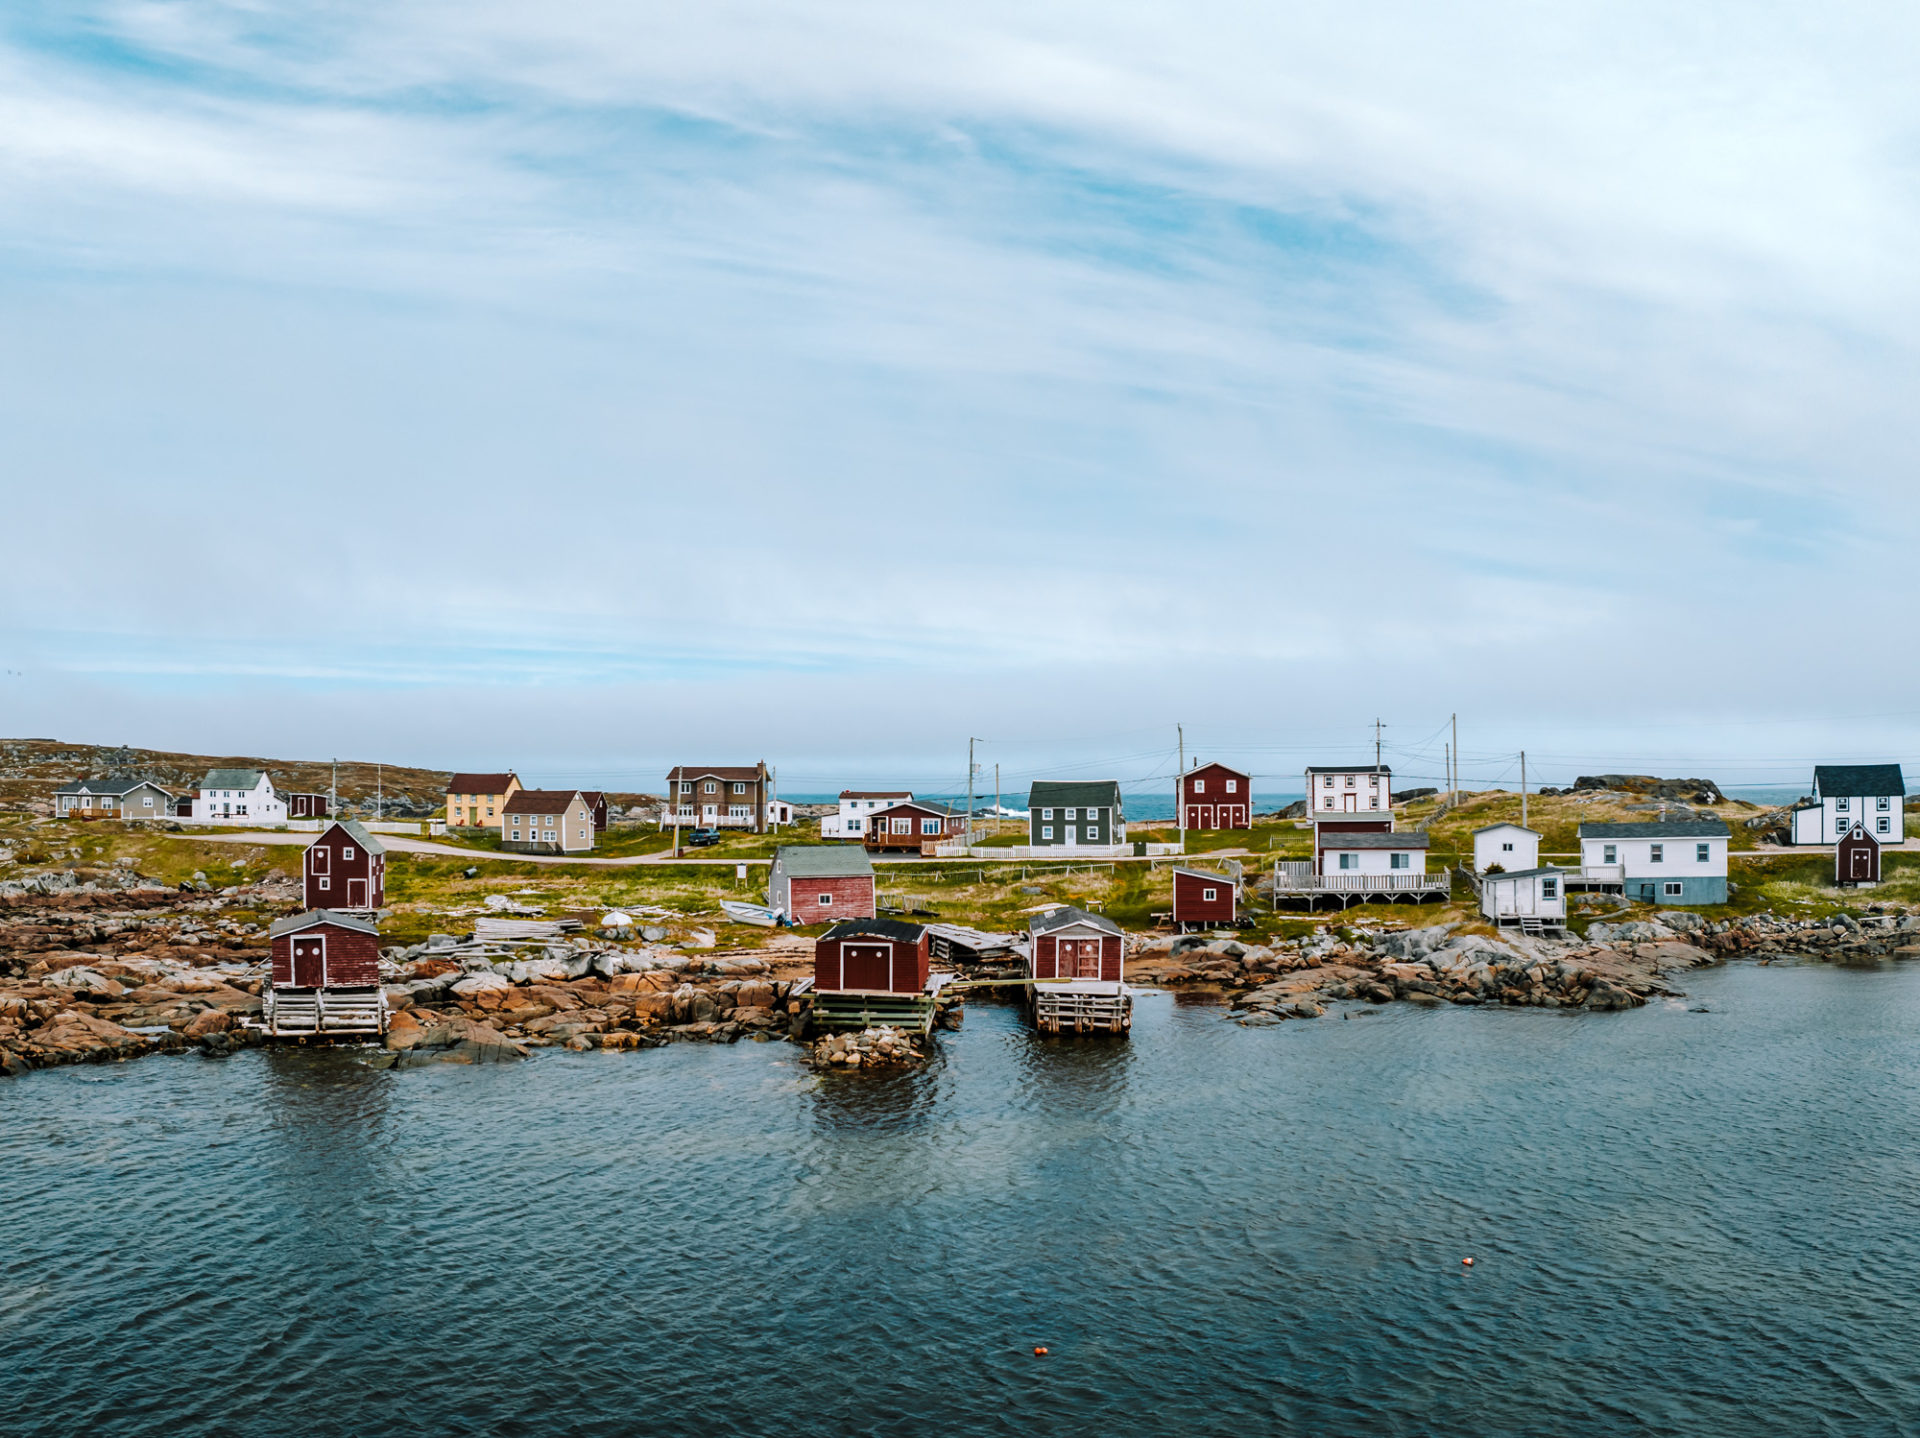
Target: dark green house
{"points": [[1075, 815]]}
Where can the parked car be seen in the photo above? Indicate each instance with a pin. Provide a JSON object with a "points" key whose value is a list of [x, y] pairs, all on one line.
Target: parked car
{"points": [[701, 838]]}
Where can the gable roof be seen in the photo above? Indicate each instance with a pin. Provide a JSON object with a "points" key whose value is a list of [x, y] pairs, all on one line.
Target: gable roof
{"points": [[1857, 831], [1208, 874], [924, 806], [1349, 768], [109, 786], [880, 928], [876, 793], [823, 861], [1223, 768], [1407, 839], [1065, 917], [1858, 781], [1540, 872], [1661, 829], [481, 783], [1074, 793], [541, 801], [322, 916], [231, 779], [1505, 824], [735, 773], [356, 831]]}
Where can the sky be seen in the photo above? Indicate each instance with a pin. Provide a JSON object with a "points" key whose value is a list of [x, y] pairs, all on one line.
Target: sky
{"points": [[588, 387]]}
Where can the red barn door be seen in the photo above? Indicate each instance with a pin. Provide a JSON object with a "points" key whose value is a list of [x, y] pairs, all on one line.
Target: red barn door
{"points": [[1079, 958], [865, 966], [309, 962]]}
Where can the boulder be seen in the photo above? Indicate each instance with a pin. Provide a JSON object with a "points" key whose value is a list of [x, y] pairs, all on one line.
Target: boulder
{"points": [[474, 984], [463, 1041], [208, 1021]]}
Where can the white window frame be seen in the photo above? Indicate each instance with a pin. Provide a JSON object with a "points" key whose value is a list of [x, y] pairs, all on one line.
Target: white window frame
{"points": [[1233, 786], [1609, 853], [1399, 861], [1703, 853], [1672, 889], [1550, 889], [1199, 786], [1046, 813], [1884, 825], [826, 901], [1656, 853], [325, 884], [1208, 896], [1840, 805], [1046, 831], [710, 787], [1348, 861], [929, 826]]}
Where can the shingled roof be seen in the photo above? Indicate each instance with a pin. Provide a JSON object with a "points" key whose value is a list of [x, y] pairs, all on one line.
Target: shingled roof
{"points": [[230, 779], [1074, 793], [1858, 781], [823, 861], [481, 783], [1659, 829]]}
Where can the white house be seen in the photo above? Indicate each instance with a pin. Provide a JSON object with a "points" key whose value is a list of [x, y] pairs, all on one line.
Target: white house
{"points": [[1506, 844], [856, 807], [1680, 861], [1871, 795], [1528, 898], [1397, 854], [1361, 789], [238, 796]]}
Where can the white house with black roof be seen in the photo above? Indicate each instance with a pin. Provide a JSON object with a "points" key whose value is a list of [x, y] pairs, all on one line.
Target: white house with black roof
{"points": [[1349, 789], [238, 796], [1075, 814], [1676, 862], [1873, 796], [1404, 853]]}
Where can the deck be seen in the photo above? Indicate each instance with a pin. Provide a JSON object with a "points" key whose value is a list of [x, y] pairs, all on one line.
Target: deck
{"points": [[1298, 879], [324, 1013]]}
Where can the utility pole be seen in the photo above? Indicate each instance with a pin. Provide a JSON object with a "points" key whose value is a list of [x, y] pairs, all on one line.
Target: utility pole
{"points": [[970, 743], [379, 792], [333, 792], [996, 796], [673, 802], [1448, 750], [1456, 758], [1523, 788], [1179, 785], [1376, 743]]}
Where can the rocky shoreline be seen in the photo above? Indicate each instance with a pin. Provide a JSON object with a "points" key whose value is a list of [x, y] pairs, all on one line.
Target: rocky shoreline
{"points": [[99, 966]]}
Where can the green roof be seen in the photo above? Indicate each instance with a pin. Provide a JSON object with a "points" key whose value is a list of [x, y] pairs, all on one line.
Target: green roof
{"points": [[1074, 794], [230, 779], [822, 861]]}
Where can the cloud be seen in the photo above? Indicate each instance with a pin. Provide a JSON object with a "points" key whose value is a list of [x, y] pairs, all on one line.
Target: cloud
{"points": [[1328, 362]]}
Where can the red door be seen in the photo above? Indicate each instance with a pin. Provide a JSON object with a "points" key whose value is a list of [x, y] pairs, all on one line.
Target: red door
{"points": [[865, 966], [1193, 816], [309, 963], [356, 893], [1863, 863], [1079, 959]]}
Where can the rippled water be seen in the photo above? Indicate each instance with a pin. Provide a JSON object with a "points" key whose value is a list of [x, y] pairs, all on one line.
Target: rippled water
{"points": [[1684, 1223]]}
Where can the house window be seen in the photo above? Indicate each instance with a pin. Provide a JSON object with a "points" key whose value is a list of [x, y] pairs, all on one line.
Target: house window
{"points": [[1046, 813], [853, 826], [1840, 805], [1702, 854], [739, 788], [1673, 891], [146, 803], [929, 826], [1656, 853], [1072, 814], [1207, 895], [489, 811], [1609, 854], [346, 853], [1199, 786], [325, 884], [1046, 831], [687, 787], [903, 826], [1506, 848], [1885, 826], [1233, 786], [1349, 781], [1397, 861], [1373, 802], [1346, 860], [826, 901], [1883, 803], [710, 787], [1327, 783]]}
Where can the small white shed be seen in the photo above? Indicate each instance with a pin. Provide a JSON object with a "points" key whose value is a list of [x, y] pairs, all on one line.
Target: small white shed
{"points": [[1526, 898], [1509, 845]]}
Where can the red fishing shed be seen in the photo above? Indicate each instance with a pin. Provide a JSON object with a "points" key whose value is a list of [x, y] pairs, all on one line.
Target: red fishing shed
{"points": [[1068, 943], [1205, 900], [872, 956], [345, 868], [326, 976], [1856, 858]]}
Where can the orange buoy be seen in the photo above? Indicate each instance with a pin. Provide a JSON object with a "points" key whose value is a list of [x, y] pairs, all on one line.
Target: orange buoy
{"points": [[1468, 1262], [1040, 1353]]}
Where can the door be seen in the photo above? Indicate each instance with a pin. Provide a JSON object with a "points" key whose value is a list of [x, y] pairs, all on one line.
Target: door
{"points": [[1193, 816], [356, 893], [309, 962], [710, 812], [1350, 803], [1863, 863], [1079, 959], [866, 966], [1206, 816], [1073, 834]]}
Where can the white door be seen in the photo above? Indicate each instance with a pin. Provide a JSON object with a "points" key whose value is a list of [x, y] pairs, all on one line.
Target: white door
{"points": [[1073, 834]]}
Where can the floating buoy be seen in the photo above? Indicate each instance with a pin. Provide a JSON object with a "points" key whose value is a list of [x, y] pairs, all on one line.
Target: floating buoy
{"points": [[1468, 1262], [1039, 1353]]}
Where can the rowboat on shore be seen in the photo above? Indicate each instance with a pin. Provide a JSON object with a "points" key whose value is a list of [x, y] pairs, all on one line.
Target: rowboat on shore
{"points": [[750, 913]]}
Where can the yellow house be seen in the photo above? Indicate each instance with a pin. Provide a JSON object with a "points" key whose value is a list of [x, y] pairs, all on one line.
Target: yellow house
{"points": [[479, 801]]}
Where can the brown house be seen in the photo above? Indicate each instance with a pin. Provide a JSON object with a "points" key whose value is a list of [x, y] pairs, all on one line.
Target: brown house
{"points": [[911, 827], [1212, 796], [1856, 858], [1068, 943], [818, 883], [718, 797], [308, 806], [479, 801], [345, 868], [872, 956], [1204, 900], [596, 801]]}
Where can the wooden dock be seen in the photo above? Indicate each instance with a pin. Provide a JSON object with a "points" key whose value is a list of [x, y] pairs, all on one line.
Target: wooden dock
{"points": [[863, 1009], [1082, 1009]]}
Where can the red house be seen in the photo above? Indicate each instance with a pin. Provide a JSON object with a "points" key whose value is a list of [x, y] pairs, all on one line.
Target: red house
{"points": [[880, 956], [307, 806], [596, 801], [326, 977], [1204, 900], [346, 868], [1856, 858], [821, 883], [1212, 796], [911, 826], [1067, 943]]}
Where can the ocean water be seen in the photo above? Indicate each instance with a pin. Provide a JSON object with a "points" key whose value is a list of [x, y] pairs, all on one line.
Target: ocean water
{"points": [[1683, 1223]]}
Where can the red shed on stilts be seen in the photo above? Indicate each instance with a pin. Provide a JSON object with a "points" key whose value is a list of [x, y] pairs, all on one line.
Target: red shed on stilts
{"points": [[1075, 959], [1204, 900], [326, 977], [873, 971]]}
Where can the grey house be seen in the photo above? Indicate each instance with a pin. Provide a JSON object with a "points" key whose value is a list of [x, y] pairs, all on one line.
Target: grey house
{"points": [[1070, 815], [112, 799]]}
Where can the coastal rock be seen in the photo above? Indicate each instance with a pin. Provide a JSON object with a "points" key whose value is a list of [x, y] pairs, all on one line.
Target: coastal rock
{"points": [[474, 984], [463, 1041]]}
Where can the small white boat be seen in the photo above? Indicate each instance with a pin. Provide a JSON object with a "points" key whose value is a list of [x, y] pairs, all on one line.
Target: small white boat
{"points": [[750, 913]]}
